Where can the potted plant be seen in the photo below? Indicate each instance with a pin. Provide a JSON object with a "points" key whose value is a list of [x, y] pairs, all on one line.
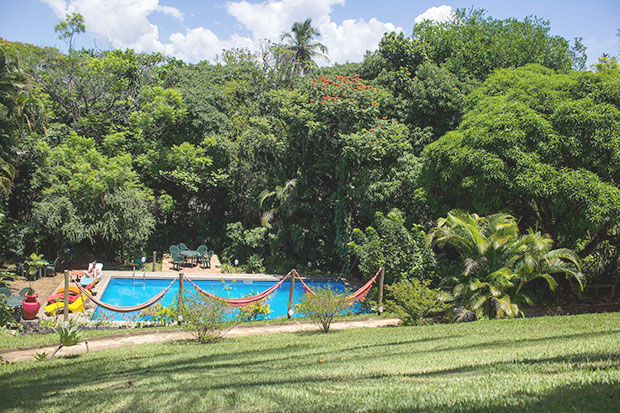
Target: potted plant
{"points": [[30, 305]]}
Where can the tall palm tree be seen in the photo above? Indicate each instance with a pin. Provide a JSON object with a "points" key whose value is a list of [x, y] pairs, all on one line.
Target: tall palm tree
{"points": [[302, 47]]}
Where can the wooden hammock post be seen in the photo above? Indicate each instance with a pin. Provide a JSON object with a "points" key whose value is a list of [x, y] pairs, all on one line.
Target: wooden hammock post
{"points": [[180, 299], [66, 298], [290, 294], [154, 259], [381, 276]]}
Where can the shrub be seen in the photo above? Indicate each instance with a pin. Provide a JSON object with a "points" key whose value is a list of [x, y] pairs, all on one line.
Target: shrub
{"points": [[209, 318], [161, 314], [254, 311], [391, 245], [323, 306], [7, 314], [67, 337], [413, 300], [255, 264]]}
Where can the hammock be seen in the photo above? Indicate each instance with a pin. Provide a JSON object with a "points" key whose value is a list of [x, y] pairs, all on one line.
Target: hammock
{"points": [[120, 309], [240, 302], [356, 296]]}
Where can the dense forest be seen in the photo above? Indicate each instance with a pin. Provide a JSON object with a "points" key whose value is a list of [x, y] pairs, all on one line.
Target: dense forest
{"points": [[271, 160]]}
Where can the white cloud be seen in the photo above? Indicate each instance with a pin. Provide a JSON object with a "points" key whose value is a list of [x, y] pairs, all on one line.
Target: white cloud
{"points": [[437, 14], [200, 44], [125, 24], [350, 40], [176, 13], [346, 42], [267, 20]]}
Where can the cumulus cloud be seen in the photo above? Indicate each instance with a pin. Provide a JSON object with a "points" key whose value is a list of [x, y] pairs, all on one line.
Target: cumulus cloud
{"points": [[125, 24], [437, 14], [346, 42]]}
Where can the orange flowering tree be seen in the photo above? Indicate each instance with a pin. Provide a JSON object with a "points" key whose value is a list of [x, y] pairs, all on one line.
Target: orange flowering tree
{"points": [[330, 124]]}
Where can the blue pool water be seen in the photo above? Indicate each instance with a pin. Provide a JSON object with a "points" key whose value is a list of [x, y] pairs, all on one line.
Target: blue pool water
{"points": [[126, 292]]}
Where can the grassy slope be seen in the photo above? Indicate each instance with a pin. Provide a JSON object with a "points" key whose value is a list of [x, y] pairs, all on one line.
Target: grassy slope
{"points": [[551, 364]]}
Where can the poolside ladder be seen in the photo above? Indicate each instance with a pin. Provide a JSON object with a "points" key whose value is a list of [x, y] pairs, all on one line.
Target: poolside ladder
{"points": [[133, 275]]}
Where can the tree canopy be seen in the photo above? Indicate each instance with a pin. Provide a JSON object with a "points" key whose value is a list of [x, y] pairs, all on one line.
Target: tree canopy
{"points": [[265, 160]]}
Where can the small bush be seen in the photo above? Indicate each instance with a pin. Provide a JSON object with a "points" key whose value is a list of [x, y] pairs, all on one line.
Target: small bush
{"points": [[207, 317], [323, 306], [160, 314], [8, 317], [255, 311], [255, 264], [67, 336], [412, 301]]}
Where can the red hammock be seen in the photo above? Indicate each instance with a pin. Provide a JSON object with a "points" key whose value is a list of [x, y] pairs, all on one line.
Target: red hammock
{"points": [[120, 309], [240, 302], [356, 296]]}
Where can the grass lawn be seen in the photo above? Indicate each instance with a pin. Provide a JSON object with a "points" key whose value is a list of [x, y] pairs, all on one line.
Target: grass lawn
{"points": [[540, 364], [27, 340]]}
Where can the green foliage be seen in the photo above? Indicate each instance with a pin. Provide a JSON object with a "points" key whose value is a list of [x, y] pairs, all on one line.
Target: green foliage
{"points": [[72, 25], [41, 356], [7, 314], [402, 252], [498, 263], [242, 243], [89, 196], [540, 145], [413, 300], [161, 314], [323, 306], [255, 264], [255, 311], [67, 336], [34, 262], [208, 318], [302, 47]]}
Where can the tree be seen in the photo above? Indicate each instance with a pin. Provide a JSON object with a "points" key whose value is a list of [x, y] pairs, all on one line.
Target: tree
{"points": [[302, 47], [540, 145], [498, 262], [440, 63], [68, 28]]}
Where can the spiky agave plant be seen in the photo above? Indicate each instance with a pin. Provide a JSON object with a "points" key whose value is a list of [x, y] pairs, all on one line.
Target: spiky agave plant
{"points": [[67, 337]]}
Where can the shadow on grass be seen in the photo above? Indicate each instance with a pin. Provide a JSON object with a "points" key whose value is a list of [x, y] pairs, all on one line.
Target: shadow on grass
{"points": [[133, 379]]}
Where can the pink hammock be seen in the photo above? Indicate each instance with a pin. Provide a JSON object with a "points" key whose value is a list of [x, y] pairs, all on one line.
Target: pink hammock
{"points": [[240, 302], [120, 309], [356, 296]]}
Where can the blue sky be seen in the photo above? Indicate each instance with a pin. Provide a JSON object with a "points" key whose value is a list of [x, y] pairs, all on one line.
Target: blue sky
{"points": [[194, 30]]}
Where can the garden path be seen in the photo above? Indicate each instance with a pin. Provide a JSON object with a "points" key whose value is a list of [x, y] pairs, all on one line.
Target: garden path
{"points": [[158, 336]]}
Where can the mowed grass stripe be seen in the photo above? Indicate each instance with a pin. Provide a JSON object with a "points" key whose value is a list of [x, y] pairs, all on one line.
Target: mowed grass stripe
{"points": [[549, 363]]}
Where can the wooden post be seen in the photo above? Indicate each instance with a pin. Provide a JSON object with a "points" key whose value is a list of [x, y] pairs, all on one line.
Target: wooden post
{"points": [[66, 298], [290, 295], [154, 259], [180, 299], [381, 277]]}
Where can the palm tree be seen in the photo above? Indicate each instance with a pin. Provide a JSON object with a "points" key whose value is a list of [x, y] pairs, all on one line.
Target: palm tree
{"points": [[302, 47], [498, 262], [281, 194]]}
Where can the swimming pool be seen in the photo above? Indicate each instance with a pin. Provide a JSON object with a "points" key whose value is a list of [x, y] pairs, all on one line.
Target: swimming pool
{"points": [[127, 292]]}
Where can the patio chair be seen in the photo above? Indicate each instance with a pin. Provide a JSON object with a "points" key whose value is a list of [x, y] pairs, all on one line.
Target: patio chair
{"points": [[177, 261], [137, 264], [51, 267], [204, 255], [182, 247], [174, 249], [6, 292]]}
